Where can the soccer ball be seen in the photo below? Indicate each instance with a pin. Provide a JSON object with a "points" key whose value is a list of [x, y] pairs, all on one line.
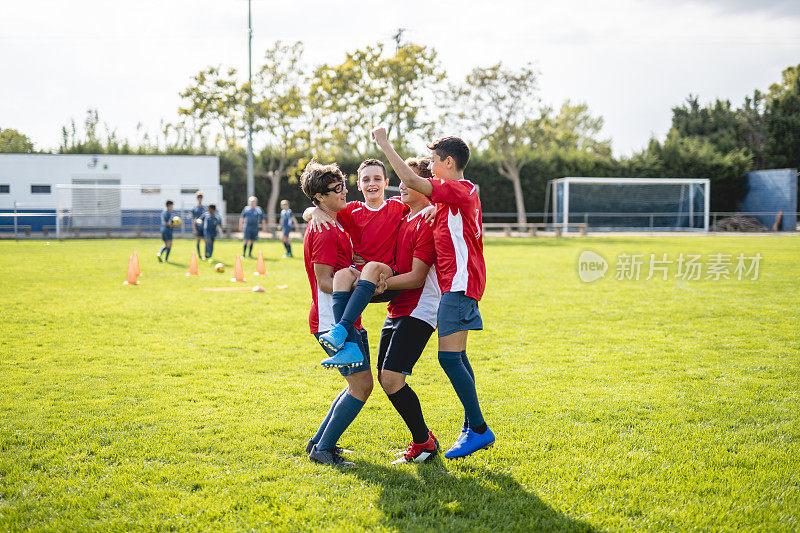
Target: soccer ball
{"points": [[219, 267], [176, 221], [198, 221]]}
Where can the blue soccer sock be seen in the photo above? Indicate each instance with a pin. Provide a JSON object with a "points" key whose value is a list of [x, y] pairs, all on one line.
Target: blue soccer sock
{"points": [[345, 411], [357, 303], [340, 299], [244, 248], [288, 248], [471, 374], [167, 254], [250, 250], [198, 250], [209, 248], [161, 251], [321, 430], [463, 384]]}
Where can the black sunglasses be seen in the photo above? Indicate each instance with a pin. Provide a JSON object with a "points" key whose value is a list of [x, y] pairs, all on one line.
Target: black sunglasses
{"points": [[339, 187]]}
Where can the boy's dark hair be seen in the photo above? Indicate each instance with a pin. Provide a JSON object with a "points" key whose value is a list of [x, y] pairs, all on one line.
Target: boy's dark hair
{"points": [[420, 166], [371, 162], [212, 207], [452, 147], [169, 203], [317, 178]]}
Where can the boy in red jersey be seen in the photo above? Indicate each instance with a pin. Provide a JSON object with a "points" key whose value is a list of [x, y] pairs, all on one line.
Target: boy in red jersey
{"points": [[325, 252], [411, 318], [460, 269], [372, 226]]}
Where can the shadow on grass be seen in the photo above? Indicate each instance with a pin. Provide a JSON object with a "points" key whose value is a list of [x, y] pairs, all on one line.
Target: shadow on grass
{"points": [[477, 499]]}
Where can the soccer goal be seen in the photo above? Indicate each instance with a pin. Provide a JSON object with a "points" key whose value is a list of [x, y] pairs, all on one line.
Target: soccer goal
{"points": [[630, 204], [108, 208]]}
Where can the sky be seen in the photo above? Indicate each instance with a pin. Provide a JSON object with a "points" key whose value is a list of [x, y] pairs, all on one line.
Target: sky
{"points": [[631, 61]]}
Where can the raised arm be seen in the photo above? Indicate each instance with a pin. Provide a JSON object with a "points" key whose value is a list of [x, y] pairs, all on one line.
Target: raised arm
{"points": [[404, 172]]}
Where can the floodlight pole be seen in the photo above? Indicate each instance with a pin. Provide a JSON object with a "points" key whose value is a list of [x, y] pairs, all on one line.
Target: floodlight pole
{"points": [[250, 181]]}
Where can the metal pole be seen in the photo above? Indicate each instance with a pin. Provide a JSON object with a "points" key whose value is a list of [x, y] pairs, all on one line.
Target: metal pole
{"points": [[250, 180], [15, 219]]}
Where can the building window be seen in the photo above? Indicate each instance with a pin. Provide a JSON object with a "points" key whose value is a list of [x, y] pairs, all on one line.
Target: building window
{"points": [[189, 190], [40, 189], [5, 189], [151, 189]]}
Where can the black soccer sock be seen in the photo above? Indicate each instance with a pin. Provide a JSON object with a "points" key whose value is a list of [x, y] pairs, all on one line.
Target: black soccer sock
{"points": [[250, 251], [480, 429], [406, 402], [198, 250], [244, 248]]}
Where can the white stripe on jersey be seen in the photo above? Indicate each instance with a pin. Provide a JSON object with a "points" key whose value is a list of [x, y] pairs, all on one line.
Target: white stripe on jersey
{"points": [[428, 304], [456, 226], [324, 311]]}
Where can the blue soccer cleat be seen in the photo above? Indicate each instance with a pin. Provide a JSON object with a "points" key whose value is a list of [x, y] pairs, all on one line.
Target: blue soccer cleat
{"points": [[470, 442], [349, 355], [335, 338]]}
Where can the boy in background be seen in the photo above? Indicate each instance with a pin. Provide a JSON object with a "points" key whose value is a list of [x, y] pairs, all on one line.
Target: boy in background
{"points": [[166, 231], [287, 225], [252, 216], [460, 268], [197, 221], [211, 223]]}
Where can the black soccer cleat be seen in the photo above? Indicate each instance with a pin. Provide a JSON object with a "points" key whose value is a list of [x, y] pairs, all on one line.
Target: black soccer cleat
{"points": [[339, 449], [328, 457]]}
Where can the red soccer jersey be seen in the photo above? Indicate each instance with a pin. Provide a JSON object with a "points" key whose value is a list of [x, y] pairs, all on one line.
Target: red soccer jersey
{"points": [[374, 231], [329, 247], [415, 240], [457, 232]]}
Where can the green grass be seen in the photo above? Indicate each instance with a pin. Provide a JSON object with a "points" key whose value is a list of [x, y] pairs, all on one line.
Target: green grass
{"points": [[618, 405]]}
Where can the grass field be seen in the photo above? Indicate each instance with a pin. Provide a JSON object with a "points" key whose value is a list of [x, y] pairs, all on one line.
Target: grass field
{"points": [[618, 405]]}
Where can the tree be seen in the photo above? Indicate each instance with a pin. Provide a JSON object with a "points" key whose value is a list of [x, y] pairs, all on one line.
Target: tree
{"points": [[370, 88], [14, 142], [783, 120], [280, 112], [214, 105]]}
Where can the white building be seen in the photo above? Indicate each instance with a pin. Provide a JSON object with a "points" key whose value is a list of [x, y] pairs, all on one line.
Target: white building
{"points": [[111, 192]]}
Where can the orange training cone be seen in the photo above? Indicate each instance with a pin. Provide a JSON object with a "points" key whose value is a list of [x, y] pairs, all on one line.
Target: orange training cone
{"points": [[131, 278], [193, 266], [261, 268], [238, 272], [136, 264]]}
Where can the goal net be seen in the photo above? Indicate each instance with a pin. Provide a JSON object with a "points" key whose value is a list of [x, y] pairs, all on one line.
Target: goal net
{"points": [[631, 204], [84, 208]]}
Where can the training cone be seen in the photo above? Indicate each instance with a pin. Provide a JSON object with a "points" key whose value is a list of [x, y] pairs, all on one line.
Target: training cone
{"points": [[261, 268], [259, 288], [136, 264], [193, 266], [131, 278], [238, 272]]}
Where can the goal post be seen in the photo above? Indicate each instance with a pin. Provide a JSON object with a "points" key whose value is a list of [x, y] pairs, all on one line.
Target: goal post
{"points": [[631, 204]]}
